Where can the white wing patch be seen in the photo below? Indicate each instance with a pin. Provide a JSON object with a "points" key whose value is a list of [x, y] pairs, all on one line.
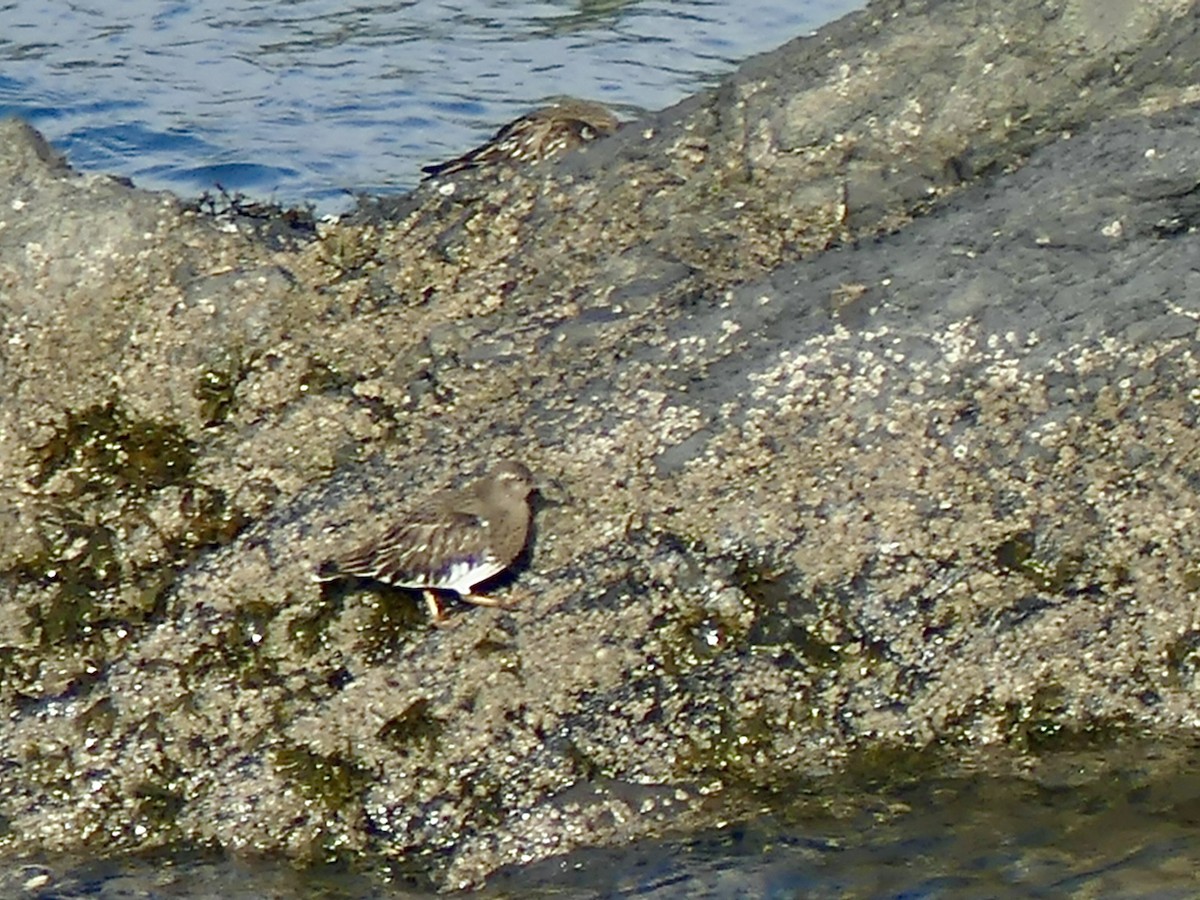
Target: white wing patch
{"points": [[461, 576]]}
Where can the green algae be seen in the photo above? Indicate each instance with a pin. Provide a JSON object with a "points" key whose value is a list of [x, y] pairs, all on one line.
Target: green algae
{"points": [[1191, 578], [158, 804], [80, 561], [787, 617], [347, 249], [414, 728], [395, 614], [210, 519], [334, 780], [1044, 724], [105, 450], [321, 377], [99, 719], [689, 638], [306, 632], [216, 388], [763, 585], [234, 646], [243, 641], [883, 766], [102, 474], [1183, 657], [1051, 573], [728, 743], [486, 795], [583, 764], [91, 583]]}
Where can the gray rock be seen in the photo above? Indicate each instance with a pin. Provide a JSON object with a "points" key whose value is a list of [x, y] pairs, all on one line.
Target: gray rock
{"points": [[864, 389]]}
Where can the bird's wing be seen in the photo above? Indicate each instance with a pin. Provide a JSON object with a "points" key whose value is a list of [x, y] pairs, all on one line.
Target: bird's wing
{"points": [[498, 147], [424, 544]]}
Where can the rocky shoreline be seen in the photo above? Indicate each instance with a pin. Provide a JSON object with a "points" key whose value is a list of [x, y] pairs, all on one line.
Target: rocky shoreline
{"points": [[865, 386]]}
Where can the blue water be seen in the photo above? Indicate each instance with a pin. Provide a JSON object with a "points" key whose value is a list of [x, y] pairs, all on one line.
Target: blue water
{"points": [[310, 100]]}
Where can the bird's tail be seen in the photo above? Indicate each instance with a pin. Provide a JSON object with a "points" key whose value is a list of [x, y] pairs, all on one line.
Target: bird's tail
{"points": [[328, 571]]}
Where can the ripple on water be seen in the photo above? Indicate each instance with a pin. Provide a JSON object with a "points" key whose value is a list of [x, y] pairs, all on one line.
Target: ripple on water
{"points": [[313, 100]]}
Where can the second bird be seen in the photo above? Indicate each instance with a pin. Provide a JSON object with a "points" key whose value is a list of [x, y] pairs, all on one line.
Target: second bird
{"points": [[542, 134]]}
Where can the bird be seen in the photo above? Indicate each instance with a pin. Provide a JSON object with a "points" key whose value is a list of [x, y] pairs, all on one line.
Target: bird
{"points": [[542, 134], [451, 541]]}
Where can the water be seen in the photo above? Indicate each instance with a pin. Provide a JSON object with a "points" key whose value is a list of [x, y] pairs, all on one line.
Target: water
{"points": [[308, 100], [1121, 823]]}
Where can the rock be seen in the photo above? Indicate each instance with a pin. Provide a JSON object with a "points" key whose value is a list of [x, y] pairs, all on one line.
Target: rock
{"points": [[864, 389]]}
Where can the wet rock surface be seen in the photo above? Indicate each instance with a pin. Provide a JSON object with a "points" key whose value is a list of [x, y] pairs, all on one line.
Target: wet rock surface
{"points": [[864, 393]]}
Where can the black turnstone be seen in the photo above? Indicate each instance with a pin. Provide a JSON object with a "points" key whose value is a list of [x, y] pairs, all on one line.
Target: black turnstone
{"points": [[452, 541], [545, 133]]}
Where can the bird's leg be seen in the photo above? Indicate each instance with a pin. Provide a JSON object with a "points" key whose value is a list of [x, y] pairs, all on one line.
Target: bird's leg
{"points": [[481, 600], [435, 609]]}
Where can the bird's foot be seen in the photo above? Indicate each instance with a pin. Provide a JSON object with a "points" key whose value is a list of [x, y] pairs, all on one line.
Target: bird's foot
{"points": [[498, 602]]}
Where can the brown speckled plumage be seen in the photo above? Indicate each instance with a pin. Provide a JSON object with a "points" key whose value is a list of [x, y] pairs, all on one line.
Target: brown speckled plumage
{"points": [[452, 541], [545, 133]]}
